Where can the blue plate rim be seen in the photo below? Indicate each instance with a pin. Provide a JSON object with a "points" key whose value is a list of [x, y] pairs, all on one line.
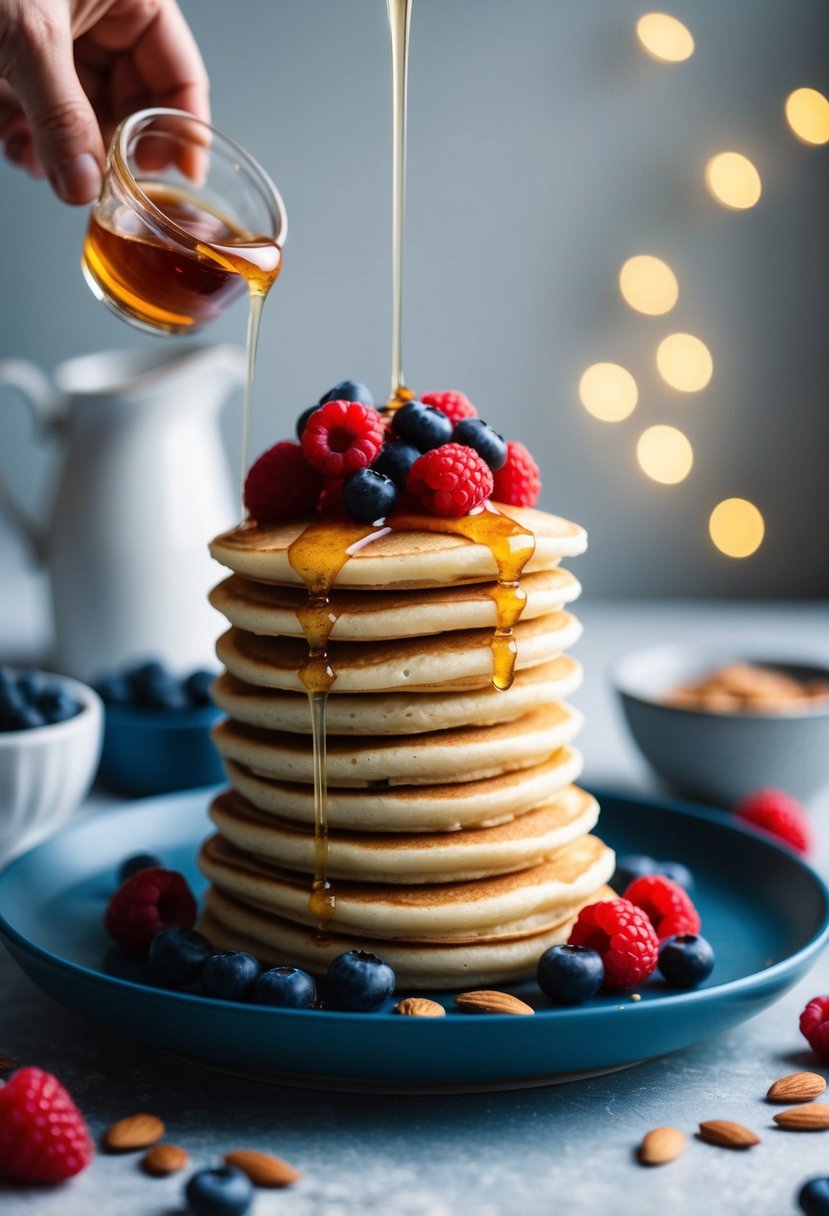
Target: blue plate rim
{"points": [[668, 1000]]}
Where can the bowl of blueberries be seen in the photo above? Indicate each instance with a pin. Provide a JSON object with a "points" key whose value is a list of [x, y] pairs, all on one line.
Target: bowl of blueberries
{"points": [[50, 742], [157, 733]]}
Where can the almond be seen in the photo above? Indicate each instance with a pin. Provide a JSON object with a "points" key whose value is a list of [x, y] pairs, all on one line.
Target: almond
{"points": [[661, 1145], [486, 1001], [135, 1131], [420, 1007], [262, 1168], [727, 1134], [810, 1117], [796, 1087], [163, 1159], [7, 1064]]}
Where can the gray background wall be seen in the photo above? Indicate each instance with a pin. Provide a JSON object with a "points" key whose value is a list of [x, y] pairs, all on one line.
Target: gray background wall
{"points": [[545, 148]]}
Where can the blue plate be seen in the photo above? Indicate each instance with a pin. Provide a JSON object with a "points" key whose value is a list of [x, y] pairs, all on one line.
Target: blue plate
{"points": [[765, 912]]}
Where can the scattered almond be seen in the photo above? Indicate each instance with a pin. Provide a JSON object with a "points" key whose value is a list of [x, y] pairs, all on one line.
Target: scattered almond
{"points": [[486, 1001], [661, 1145], [796, 1087], [163, 1159], [135, 1131], [420, 1007], [262, 1168], [810, 1117], [7, 1064], [727, 1134]]}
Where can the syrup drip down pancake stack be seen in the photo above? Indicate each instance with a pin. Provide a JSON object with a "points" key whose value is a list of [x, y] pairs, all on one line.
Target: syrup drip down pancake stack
{"points": [[445, 834]]}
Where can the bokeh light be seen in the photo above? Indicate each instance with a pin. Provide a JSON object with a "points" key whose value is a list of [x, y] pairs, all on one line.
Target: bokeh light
{"points": [[733, 180], [648, 284], [608, 391], [736, 527], [684, 362], [665, 454], [807, 113], [665, 37]]}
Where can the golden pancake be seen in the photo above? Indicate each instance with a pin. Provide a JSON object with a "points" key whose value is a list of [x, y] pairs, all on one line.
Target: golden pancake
{"points": [[525, 901], [415, 808], [381, 558], [451, 660], [363, 616], [230, 925], [412, 858], [464, 754]]}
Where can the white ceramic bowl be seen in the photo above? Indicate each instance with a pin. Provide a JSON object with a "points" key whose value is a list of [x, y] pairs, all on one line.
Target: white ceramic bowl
{"points": [[720, 757], [46, 771]]}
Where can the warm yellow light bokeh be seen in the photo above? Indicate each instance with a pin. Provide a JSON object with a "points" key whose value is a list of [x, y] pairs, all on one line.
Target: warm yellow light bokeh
{"points": [[608, 391], [807, 112], [733, 180], [665, 37], [665, 454], [648, 284], [684, 362], [736, 527]]}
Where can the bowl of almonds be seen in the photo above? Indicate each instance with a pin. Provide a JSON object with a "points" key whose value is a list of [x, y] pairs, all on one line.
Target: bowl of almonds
{"points": [[717, 725]]}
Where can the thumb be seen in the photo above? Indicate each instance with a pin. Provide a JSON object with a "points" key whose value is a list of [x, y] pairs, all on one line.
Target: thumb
{"points": [[63, 127]]}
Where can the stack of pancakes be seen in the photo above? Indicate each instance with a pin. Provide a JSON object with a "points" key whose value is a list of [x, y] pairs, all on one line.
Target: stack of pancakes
{"points": [[458, 847]]}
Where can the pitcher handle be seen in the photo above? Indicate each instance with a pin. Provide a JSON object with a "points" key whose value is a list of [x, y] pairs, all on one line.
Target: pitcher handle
{"points": [[44, 404]]}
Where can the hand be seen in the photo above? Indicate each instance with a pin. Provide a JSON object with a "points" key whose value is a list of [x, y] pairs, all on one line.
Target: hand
{"points": [[70, 70]]}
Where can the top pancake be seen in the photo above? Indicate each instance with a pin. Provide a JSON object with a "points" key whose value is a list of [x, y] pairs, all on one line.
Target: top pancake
{"points": [[377, 558]]}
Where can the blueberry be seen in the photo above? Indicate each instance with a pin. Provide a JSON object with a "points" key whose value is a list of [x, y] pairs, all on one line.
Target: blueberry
{"points": [[113, 689], [57, 705], [178, 955], [11, 698], [489, 445], [285, 988], [570, 974], [368, 495], [632, 865], [221, 1191], [395, 460], [155, 687], [198, 685], [676, 871], [421, 425], [349, 390], [302, 420], [685, 960], [26, 718], [814, 1197], [30, 685], [359, 982], [138, 861], [229, 976]]}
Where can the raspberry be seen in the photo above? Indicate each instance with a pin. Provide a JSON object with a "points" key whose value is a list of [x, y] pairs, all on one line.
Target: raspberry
{"points": [[518, 481], [341, 437], [454, 405], [449, 480], [43, 1136], [145, 904], [281, 484], [622, 934], [814, 1026], [666, 904], [779, 814]]}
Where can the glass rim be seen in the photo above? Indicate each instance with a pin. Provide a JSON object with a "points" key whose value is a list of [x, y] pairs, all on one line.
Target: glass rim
{"points": [[118, 155]]}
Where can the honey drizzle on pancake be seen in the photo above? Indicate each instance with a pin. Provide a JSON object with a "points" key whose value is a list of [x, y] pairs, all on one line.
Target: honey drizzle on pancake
{"points": [[317, 555]]}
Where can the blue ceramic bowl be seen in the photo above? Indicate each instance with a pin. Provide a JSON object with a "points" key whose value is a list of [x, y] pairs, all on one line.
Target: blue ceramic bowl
{"points": [[158, 751]]}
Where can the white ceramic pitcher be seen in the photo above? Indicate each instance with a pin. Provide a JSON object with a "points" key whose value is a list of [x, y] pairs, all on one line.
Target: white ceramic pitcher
{"points": [[143, 487]]}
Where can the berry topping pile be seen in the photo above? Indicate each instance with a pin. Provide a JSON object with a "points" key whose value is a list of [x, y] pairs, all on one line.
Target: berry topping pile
{"points": [[43, 1136], [779, 814], [31, 698], [151, 685], [354, 461], [625, 939]]}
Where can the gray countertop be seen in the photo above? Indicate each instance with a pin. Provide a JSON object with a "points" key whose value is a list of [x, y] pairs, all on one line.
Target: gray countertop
{"points": [[563, 1149]]}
